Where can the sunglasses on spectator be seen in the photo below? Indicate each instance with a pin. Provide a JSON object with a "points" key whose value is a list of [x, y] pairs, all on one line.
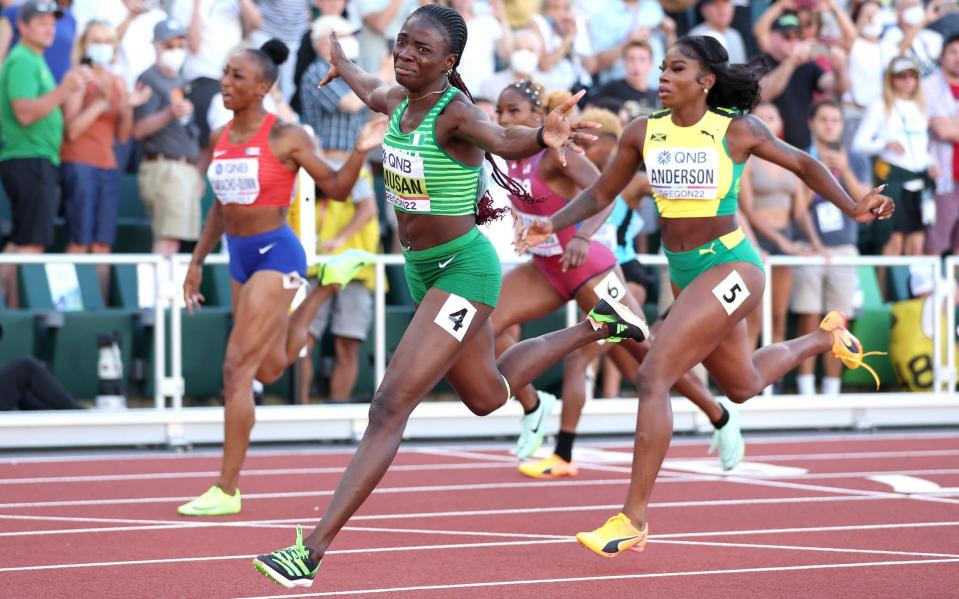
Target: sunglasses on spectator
{"points": [[906, 74]]}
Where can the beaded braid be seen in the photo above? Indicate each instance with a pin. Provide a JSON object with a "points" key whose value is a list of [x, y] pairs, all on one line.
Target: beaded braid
{"points": [[454, 26]]}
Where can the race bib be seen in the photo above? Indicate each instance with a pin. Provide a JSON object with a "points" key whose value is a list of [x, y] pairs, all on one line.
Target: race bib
{"points": [[455, 316], [731, 292], [684, 173], [404, 180], [829, 217], [611, 288], [550, 247], [235, 180], [606, 235]]}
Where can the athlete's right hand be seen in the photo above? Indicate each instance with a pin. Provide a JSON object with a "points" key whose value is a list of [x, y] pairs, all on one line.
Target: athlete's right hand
{"points": [[534, 234], [336, 54], [371, 135], [191, 288]]}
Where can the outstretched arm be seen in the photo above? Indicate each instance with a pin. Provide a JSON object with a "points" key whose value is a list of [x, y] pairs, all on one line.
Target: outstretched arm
{"points": [[334, 183], [368, 88], [748, 135], [518, 141]]}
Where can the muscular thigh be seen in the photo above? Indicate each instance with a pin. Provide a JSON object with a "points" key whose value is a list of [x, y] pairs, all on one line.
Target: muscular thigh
{"points": [[443, 327], [261, 307], [525, 295], [702, 315]]}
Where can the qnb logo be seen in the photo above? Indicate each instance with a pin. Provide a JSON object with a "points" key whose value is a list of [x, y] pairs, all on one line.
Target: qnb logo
{"points": [[664, 158]]}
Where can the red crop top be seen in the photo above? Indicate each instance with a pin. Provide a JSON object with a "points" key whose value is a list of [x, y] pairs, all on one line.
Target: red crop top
{"points": [[249, 174]]}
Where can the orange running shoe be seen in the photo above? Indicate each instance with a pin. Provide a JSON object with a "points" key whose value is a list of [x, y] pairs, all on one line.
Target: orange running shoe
{"points": [[845, 346], [614, 537], [551, 467]]}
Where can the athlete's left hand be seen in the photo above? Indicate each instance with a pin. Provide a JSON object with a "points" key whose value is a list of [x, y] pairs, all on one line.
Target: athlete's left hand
{"points": [[560, 133], [371, 135], [575, 253], [534, 234], [874, 206]]}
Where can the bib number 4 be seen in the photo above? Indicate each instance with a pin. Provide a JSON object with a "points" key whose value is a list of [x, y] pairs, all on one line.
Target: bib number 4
{"points": [[455, 316]]}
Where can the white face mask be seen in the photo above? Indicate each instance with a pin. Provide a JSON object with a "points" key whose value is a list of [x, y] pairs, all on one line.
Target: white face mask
{"points": [[101, 54], [173, 59], [913, 15], [351, 47], [523, 62], [872, 29]]}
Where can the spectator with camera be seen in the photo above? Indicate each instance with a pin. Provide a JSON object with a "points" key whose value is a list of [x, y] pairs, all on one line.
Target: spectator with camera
{"points": [[794, 78], [829, 232], [168, 179]]}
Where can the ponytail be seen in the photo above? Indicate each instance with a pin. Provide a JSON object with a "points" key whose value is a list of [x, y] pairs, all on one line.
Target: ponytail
{"points": [[737, 85]]}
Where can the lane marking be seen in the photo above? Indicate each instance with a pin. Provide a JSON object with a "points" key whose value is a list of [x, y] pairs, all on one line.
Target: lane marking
{"points": [[404, 548], [312, 519], [912, 485], [503, 583], [802, 548], [505, 485]]}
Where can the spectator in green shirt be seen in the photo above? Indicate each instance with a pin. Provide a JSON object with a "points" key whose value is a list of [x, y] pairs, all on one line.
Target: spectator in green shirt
{"points": [[32, 126]]}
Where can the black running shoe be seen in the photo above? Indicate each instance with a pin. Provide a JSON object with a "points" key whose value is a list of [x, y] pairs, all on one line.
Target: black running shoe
{"points": [[619, 320], [289, 567]]}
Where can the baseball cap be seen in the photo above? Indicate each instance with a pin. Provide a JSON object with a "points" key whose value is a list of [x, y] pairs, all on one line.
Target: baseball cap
{"points": [[38, 8], [903, 64], [167, 30], [786, 22]]}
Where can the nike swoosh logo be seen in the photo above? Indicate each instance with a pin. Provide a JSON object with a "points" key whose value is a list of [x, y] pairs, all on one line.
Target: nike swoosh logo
{"points": [[447, 262], [219, 153], [849, 345], [266, 248], [540, 421]]}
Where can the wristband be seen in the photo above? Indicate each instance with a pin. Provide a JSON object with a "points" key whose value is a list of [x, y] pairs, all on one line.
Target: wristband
{"points": [[539, 138]]}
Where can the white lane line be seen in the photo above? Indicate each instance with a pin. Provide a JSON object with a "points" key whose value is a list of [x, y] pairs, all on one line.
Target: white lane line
{"points": [[502, 486], [541, 581], [349, 450], [312, 519], [803, 548], [407, 548], [244, 473]]}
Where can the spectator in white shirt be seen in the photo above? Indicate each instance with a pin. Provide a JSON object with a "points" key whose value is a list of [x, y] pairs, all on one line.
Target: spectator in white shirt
{"points": [[382, 20], [489, 36], [895, 130], [941, 89], [911, 38], [865, 72], [718, 19], [214, 29], [287, 21], [523, 64], [568, 54]]}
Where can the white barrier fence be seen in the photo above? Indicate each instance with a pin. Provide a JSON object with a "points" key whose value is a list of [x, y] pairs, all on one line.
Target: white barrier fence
{"points": [[170, 423]]}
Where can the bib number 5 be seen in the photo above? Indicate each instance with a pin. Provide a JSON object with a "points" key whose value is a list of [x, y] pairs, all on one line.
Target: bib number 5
{"points": [[731, 292], [455, 316]]}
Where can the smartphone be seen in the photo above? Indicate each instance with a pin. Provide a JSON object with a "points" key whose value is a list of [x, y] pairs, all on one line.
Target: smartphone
{"points": [[86, 61]]}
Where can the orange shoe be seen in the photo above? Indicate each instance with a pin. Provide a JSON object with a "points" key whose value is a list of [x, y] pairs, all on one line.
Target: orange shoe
{"points": [[845, 346], [551, 467], [615, 537]]}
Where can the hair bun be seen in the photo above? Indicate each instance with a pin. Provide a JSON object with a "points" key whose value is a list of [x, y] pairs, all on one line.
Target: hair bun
{"points": [[276, 50]]}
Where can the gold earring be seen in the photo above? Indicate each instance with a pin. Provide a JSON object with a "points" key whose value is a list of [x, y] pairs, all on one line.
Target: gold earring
{"points": [[705, 90]]}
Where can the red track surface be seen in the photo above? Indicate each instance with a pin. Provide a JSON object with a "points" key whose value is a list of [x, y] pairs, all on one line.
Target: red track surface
{"points": [[461, 522]]}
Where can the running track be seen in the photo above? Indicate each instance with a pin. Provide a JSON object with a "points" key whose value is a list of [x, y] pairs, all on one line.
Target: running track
{"points": [[870, 515]]}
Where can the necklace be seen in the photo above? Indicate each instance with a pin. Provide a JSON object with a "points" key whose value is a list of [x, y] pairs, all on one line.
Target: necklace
{"points": [[411, 100]]}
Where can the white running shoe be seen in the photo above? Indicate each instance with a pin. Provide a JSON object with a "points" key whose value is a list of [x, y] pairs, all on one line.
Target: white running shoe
{"points": [[729, 439], [533, 425]]}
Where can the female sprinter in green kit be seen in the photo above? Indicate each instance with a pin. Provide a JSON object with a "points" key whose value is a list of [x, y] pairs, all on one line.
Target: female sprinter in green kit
{"points": [[694, 152], [432, 154]]}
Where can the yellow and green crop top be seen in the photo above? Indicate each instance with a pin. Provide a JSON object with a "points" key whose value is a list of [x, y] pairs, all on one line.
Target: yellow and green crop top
{"points": [[689, 168]]}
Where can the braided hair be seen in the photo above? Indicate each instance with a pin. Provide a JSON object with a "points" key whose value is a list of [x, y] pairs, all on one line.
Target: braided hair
{"points": [[454, 29], [737, 85]]}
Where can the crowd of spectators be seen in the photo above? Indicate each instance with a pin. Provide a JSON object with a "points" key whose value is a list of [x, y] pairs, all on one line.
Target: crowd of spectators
{"points": [[91, 89]]}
